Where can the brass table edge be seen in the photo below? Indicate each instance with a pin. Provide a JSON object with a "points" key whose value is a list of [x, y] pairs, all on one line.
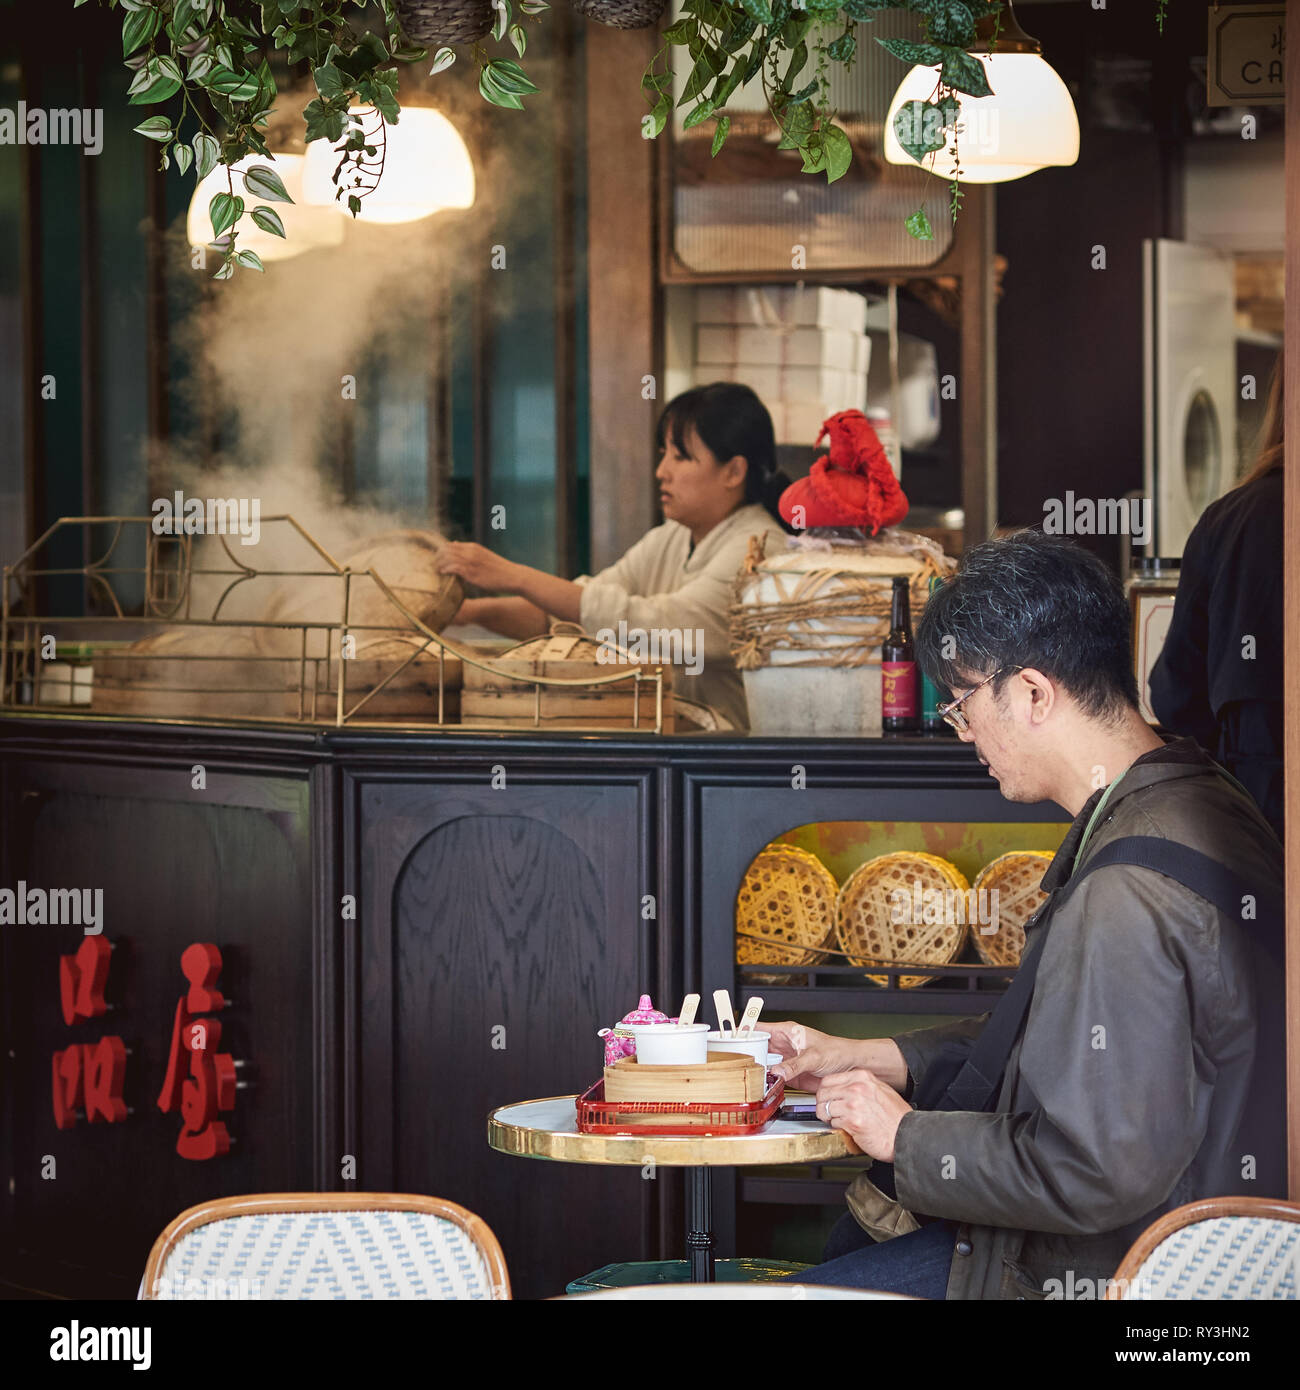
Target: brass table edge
{"points": [[678, 1151]]}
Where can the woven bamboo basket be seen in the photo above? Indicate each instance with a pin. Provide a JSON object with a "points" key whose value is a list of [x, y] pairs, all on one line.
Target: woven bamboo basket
{"points": [[1015, 877], [788, 898], [506, 695], [398, 673], [868, 905], [444, 23], [621, 14]]}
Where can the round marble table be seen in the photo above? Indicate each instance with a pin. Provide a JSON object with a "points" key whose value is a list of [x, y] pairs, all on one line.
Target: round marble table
{"points": [[549, 1129]]}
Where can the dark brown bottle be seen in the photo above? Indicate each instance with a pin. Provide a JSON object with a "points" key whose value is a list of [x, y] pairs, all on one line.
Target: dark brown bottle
{"points": [[898, 684]]}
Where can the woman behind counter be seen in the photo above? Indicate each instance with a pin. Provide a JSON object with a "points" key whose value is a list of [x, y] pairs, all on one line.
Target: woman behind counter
{"points": [[718, 486]]}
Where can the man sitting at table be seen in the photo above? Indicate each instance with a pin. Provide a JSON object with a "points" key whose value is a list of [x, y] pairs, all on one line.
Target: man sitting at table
{"points": [[1149, 1069]]}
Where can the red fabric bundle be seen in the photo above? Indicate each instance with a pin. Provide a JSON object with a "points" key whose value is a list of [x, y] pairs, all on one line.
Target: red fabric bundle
{"points": [[851, 485]]}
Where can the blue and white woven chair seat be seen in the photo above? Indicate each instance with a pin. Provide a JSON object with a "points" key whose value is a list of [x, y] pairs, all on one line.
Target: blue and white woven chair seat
{"points": [[1225, 1249], [352, 1252]]}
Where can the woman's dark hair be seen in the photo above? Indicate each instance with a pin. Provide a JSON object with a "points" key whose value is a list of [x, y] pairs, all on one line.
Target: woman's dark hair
{"points": [[1030, 599], [1269, 447], [731, 420]]}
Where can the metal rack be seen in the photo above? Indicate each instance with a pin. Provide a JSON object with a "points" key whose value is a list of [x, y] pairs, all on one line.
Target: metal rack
{"points": [[298, 667]]}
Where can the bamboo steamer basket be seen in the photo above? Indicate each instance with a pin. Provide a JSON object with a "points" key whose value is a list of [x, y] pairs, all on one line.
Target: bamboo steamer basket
{"points": [[1015, 877], [409, 693], [865, 926], [787, 897], [727, 1077], [188, 672], [405, 560], [504, 695]]}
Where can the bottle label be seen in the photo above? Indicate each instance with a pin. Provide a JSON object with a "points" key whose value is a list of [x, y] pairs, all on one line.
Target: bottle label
{"points": [[898, 689]]}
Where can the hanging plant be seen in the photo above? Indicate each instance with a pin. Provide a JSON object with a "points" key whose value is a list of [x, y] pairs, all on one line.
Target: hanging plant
{"points": [[214, 55], [734, 42]]}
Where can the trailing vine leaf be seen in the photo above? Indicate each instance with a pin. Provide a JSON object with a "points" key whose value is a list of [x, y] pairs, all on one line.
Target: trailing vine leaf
{"points": [[798, 61], [263, 182], [951, 22], [965, 73], [157, 80], [918, 225], [843, 48], [804, 92], [206, 154], [442, 60], [701, 113], [184, 156], [759, 11], [268, 220], [237, 86], [138, 28], [492, 91], [720, 134], [250, 260], [796, 123], [838, 152], [864, 11], [225, 210], [920, 54], [510, 76], [919, 128], [155, 128]]}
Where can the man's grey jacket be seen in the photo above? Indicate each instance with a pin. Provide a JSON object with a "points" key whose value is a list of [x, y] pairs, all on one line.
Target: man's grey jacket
{"points": [[1133, 1087]]}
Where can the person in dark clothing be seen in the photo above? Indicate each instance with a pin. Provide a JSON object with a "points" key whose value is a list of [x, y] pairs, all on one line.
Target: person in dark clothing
{"points": [[1219, 676], [1147, 1068]]}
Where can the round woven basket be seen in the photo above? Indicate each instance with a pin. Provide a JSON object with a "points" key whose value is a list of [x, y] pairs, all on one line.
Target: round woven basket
{"points": [[787, 898], [1015, 877], [869, 903], [621, 14], [444, 23]]}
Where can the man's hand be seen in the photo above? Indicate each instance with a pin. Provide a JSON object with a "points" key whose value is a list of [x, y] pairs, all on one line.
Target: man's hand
{"points": [[476, 564], [810, 1056], [865, 1108]]}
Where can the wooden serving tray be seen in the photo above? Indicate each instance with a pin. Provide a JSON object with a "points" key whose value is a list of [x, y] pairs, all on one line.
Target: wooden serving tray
{"points": [[730, 1078]]}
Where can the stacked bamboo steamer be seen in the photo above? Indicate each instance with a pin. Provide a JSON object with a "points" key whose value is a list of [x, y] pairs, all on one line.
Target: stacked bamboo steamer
{"points": [[505, 693], [875, 926], [785, 910]]}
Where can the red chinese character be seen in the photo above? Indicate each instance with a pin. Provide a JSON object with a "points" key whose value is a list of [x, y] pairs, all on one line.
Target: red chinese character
{"points": [[87, 1074], [210, 1086], [82, 978]]}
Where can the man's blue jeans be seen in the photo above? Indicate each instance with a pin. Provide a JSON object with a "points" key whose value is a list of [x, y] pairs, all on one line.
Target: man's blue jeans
{"points": [[916, 1264]]}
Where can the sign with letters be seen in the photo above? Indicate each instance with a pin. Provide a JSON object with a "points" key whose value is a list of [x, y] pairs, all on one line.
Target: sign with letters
{"points": [[1246, 55]]}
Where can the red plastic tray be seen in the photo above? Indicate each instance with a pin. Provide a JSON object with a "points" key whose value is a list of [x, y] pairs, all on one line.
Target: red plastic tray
{"points": [[596, 1115]]}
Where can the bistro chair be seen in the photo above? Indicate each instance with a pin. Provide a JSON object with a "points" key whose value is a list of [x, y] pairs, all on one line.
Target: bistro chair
{"points": [[326, 1245], [1217, 1248]]}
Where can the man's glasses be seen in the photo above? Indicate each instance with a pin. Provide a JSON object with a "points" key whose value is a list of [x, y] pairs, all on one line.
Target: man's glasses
{"points": [[952, 714]]}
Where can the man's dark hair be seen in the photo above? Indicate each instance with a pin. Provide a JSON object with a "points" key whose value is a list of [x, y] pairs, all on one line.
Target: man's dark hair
{"points": [[1031, 599]]}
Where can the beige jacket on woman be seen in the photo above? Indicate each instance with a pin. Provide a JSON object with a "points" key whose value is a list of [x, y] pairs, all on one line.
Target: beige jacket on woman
{"points": [[681, 597]]}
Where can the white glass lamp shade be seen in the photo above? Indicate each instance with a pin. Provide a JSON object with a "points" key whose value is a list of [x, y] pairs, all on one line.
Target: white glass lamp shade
{"points": [[305, 227], [1028, 123], [426, 169]]}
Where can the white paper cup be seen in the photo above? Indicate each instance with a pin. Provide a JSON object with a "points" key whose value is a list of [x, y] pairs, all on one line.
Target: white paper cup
{"points": [[755, 1045], [670, 1044]]}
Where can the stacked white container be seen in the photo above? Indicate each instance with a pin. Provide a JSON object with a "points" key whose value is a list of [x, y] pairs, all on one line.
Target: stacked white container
{"points": [[803, 349]]}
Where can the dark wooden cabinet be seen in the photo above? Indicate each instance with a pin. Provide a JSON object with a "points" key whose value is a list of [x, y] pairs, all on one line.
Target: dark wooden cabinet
{"points": [[228, 864], [499, 928], [415, 928]]}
